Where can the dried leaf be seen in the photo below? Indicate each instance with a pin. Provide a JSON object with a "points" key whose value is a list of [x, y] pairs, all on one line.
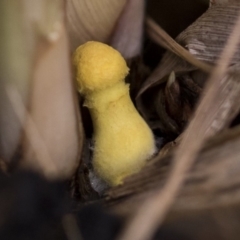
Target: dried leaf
{"points": [[178, 59], [169, 106], [92, 19], [208, 184], [128, 33], [204, 40], [155, 208]]}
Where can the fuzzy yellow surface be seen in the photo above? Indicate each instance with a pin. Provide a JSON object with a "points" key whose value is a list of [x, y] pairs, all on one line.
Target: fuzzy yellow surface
{"points": [[98, 66], [123, 142]]}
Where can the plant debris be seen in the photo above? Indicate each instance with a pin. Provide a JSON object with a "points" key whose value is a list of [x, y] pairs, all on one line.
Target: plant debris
{"points": [[190, 100]]}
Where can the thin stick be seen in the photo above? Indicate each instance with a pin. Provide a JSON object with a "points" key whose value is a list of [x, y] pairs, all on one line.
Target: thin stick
{"points": [[153, 211], [161, 37]]}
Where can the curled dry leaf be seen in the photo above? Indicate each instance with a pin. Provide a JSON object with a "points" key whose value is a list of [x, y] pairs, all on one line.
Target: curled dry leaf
{"points": [[175, 101], [39, 120], [92, 19], [177, 59], [204, 40], [169, 106]]}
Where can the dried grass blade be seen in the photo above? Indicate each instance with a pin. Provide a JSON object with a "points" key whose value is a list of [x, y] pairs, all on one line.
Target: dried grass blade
{"points": [[178, 58], [153, 211], [163, 39]]}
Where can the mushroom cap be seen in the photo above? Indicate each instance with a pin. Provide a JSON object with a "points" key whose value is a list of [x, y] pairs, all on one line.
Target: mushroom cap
{"points": [[98, 66]]}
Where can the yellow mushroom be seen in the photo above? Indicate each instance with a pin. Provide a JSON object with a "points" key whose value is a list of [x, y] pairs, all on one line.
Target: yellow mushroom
{"points": [[122, 140]]}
